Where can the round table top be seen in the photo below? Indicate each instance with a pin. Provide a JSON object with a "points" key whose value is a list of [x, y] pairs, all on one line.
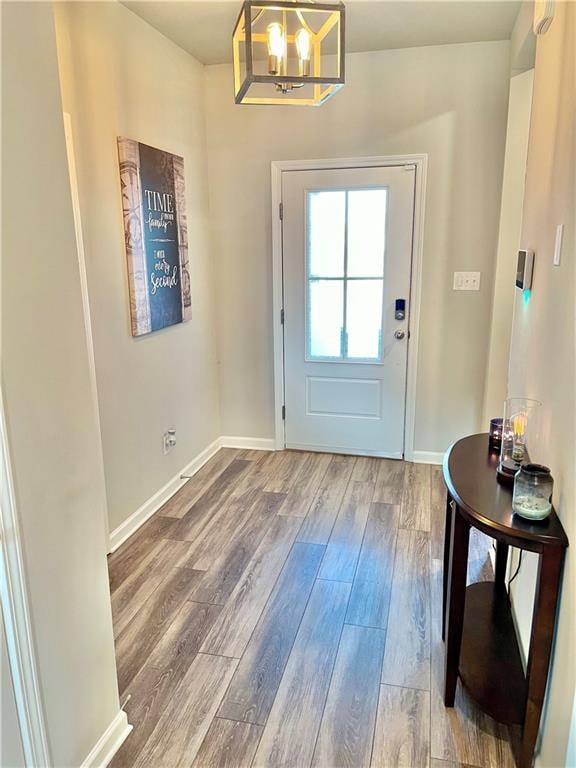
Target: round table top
{"points": [[470, 476]]}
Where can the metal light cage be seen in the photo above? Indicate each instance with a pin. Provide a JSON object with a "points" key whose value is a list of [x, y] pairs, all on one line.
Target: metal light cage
{"points": [[253, 83]]}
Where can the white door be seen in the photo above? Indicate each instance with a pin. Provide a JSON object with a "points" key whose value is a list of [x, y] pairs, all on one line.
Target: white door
{"points": [[346, 249]]}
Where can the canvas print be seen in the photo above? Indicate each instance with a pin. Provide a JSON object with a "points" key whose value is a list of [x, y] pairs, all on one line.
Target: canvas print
{"points": [[156, 236]]}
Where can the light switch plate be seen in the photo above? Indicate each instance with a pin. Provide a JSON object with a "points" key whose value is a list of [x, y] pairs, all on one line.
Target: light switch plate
{"points": [[558, 244], [466, 281]]}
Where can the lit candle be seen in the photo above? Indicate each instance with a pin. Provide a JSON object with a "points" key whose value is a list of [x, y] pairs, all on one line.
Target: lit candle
{"points": [[495, 438]]}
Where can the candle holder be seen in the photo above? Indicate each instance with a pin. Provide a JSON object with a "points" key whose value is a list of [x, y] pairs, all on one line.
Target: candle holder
{"points": [[495, 438], [518, 428]]}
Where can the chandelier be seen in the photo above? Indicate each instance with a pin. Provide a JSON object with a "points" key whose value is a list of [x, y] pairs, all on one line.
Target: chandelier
{"points": [[288, 52]]}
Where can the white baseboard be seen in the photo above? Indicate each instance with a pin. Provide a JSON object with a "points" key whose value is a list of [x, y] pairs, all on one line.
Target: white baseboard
{"points": [[426, 457], [153, 504], [109, 743], [255, 443]]}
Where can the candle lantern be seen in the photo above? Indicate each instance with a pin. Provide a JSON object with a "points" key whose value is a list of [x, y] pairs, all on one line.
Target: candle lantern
{"points": [[518, 428]]}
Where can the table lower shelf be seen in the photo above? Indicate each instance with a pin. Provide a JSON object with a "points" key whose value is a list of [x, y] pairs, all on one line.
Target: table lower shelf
{"points": [[490, 663]]}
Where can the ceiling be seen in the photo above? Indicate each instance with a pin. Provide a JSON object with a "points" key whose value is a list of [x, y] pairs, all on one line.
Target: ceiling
{"points": [[204, 29]]}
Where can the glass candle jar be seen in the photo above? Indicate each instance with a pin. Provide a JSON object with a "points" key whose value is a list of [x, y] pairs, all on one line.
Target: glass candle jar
{"points": [[495, 438], [532, 498]]}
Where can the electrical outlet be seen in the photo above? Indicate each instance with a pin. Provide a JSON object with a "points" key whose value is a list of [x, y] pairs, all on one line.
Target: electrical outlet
{"points": [[466, 281], [168, 440]]}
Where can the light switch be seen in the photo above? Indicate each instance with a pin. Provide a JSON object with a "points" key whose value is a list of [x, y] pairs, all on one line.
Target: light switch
{"points": [[558, 244], [466, 281]]}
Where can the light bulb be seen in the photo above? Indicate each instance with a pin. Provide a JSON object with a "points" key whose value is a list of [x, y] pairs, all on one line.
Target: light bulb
{"points": [[303, 48], [275, 47]]}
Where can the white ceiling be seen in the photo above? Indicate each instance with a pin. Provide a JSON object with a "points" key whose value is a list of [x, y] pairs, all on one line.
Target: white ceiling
{"points": [[204, 29]]}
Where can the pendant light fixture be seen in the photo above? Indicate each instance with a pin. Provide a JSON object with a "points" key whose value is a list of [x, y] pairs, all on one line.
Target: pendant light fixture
{"points": [[288, 52]]}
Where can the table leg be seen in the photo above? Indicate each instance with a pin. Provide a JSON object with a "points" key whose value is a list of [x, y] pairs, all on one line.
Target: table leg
{"points": [[457, 569], [501, 562], [543, 621], [447, 533]]}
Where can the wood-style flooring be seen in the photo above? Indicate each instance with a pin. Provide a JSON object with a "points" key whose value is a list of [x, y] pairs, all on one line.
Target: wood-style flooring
{"points": [[283, 609]]}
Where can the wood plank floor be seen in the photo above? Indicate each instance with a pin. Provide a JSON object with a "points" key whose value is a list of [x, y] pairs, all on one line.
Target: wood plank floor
{"points": [[283, 610]]}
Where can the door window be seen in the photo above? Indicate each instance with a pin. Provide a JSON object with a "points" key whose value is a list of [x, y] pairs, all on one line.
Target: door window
{"points": [[345, 247]]}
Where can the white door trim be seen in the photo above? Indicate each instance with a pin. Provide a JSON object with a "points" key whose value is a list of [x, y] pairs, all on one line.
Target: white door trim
{"points": [[278, 168], [14, 605]]}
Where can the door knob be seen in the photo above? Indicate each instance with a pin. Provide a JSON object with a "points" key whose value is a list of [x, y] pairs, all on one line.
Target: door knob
{"points": [[399, 334]]}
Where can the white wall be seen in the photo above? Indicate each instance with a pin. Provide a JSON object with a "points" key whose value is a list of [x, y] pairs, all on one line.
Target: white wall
{"points": [[517, 132], [120, 77], [543, 344], [51, 426], [447, 101]]}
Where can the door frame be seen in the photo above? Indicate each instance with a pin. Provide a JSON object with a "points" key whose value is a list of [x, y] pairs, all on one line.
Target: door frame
{"points": [[278, 167], [15, 609]]}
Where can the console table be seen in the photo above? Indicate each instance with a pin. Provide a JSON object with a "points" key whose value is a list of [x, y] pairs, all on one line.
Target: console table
{"points": [[481, 644]]}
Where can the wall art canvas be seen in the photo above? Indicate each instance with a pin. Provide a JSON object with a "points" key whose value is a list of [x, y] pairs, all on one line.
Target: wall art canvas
{"points": [[156, 236]]}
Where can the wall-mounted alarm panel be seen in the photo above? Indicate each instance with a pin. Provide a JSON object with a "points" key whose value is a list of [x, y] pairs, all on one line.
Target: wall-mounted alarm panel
{"points": [[524, 270]]}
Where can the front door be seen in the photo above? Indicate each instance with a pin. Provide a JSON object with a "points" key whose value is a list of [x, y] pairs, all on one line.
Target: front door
{"points": [[346, 249]]}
